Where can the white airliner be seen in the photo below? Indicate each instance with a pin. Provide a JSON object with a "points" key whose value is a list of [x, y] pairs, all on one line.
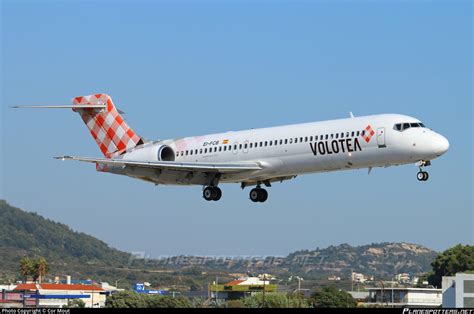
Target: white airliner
{"points": [[255, 157]]}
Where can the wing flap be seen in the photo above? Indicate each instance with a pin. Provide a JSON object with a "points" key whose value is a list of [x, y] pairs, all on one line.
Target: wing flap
{"points": [[170, 165]]}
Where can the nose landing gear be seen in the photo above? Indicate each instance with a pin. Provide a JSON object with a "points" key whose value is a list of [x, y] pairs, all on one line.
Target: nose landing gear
{"points": [[422, 175]]}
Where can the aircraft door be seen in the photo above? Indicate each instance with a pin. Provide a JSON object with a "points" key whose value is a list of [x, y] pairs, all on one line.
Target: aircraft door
{"points": [[381, 137]]}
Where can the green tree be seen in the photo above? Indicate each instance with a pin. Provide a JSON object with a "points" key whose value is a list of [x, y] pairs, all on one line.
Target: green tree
{"points": [[126, 299], [333, 298], [158, 301], [40, 269], [26, 267], [459, 258], [129, 299]]}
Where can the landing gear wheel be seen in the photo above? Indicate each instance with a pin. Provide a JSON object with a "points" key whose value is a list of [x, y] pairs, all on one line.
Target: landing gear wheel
{"points": [[254, 195], [420, 176], [208, 193], [258, 195], [263, 195], [218, 194], [425, 176]]}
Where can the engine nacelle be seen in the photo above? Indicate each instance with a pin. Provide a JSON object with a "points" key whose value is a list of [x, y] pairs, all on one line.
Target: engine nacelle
{"points": [[155, 152]]}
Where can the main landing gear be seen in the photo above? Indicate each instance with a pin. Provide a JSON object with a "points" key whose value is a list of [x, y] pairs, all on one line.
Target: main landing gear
{"points": [[258, 195], [212, 193], [423, 175]]}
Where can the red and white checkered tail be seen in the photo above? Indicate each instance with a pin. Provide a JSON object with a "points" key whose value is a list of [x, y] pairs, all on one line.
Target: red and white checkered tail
{"points": [[108, 128]]}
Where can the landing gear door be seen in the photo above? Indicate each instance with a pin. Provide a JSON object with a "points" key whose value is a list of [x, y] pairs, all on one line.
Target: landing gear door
{"points": [[381, 137]]}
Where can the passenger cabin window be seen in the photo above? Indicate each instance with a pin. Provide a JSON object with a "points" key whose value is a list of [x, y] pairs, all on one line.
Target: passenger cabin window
{"points": [[286, 141]]}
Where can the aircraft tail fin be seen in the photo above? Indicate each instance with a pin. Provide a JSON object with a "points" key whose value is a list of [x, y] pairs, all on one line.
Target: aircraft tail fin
{"points": [[110, 131]]}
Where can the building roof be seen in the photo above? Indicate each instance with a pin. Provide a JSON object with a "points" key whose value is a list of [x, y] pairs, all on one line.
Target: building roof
{"points": [[26, 286], [234, 282], [57, 286]]}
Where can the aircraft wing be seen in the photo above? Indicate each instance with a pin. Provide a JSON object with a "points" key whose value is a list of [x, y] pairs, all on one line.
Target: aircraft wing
{"points": [[171, 165]]}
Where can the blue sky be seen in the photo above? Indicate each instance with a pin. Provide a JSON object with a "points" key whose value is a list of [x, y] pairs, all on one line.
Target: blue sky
{"points": [[196, 67]]}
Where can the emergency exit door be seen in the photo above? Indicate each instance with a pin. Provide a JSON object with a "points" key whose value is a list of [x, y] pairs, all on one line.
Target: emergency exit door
{"points": [[381, 137]]}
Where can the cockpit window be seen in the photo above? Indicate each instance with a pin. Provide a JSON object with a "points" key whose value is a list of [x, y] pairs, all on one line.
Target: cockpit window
{"points": [[404, 126]]}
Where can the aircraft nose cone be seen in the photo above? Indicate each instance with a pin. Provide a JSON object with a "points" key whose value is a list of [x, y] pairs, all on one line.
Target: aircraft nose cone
{"points": [[441, 145]]}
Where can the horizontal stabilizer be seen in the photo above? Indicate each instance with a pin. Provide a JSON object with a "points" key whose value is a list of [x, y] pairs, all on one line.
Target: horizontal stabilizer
{"points": [[65, 107]]}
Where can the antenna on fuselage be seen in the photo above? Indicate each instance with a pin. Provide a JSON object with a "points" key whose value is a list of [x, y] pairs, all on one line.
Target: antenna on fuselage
{"points": [[351, 114]]}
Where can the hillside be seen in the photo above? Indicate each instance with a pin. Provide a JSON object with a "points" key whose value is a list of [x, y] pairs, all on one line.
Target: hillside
{"points": [[382, 260], [29, 234], [74, 253]]}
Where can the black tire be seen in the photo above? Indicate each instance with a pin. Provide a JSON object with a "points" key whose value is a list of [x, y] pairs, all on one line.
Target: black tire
{"points": [[425, 176], [218, 194], [254, 195], [263, 195], [420, 176], [208, 193]]}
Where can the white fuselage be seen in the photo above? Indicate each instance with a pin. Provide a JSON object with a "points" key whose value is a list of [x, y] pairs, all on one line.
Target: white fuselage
{"points": [[286, 151]]}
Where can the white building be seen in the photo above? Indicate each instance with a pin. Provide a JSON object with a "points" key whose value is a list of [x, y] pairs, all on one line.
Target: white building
{"points": [[358, 277], [405, 297], [458, 291], [58, 295], [403, 277]]}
